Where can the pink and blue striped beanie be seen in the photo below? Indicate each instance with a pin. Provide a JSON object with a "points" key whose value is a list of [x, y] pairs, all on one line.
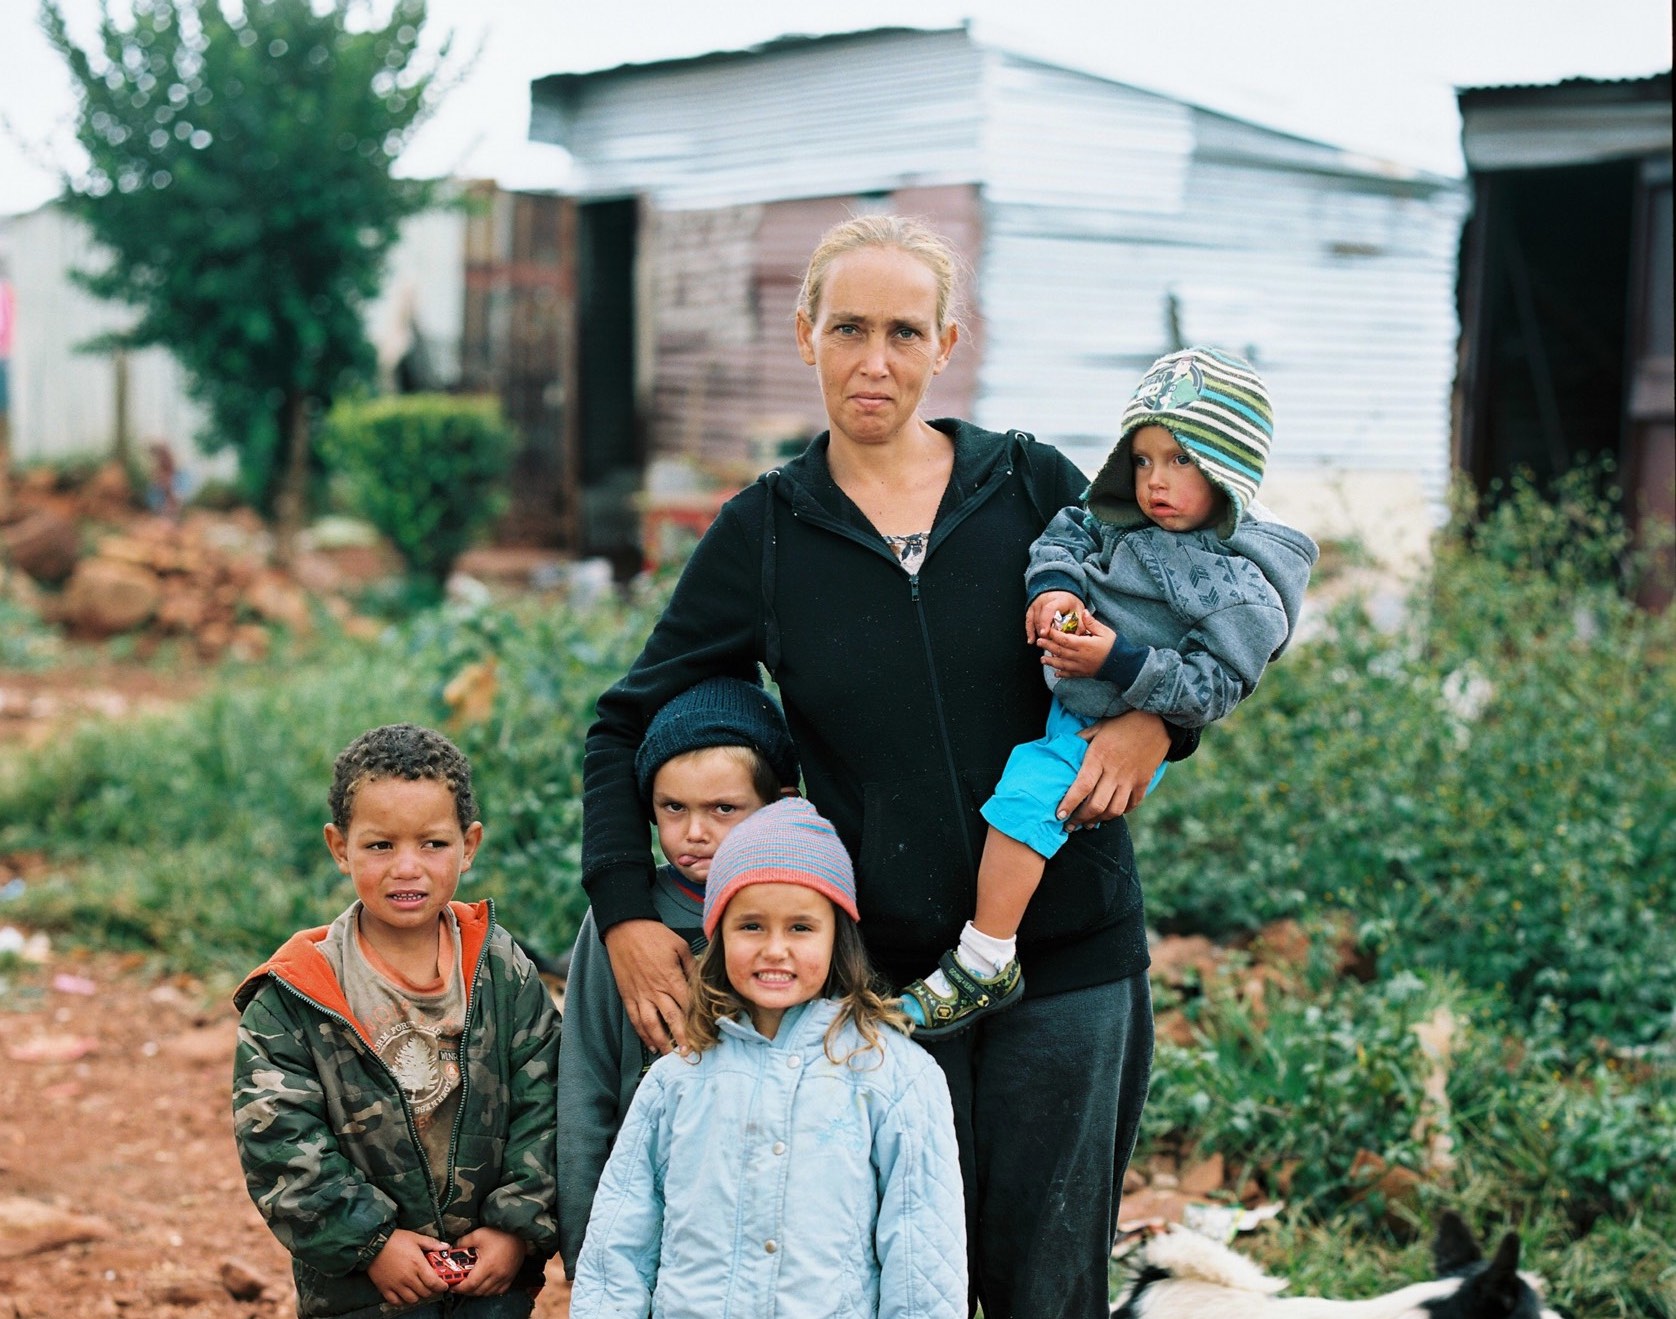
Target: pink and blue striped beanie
{"points": [[786, 842], [1217, 408]]}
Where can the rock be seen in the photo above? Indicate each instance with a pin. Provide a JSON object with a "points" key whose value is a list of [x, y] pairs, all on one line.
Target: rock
{"points": [[106, 596], [470, 693], [1281, 943], [243, 1283], [1173, 1027], [45, 545], [188, 1291], [108, 495], [1153, 1205], [53, 1049], [209, 1045], [1205, 1176], [250, 643], [278, 600], [28, 1227], [1176, 959], [1372, 1175]]}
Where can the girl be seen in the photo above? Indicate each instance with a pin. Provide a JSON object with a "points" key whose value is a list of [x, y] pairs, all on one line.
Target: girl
{"points": [[799, 1158]]}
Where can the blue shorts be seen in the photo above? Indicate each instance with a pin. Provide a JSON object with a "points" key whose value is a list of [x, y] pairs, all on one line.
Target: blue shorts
{"points": [[1036, 779]]}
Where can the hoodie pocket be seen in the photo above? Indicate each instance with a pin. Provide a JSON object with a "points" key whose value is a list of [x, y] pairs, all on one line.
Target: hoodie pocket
{"points": [[915, 886]]}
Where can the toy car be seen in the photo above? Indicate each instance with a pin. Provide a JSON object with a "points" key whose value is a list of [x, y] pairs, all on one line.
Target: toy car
{"points": [[452, 1265]]}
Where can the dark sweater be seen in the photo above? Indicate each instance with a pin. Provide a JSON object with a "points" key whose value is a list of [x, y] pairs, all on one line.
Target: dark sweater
{"points": [[905, 696]]}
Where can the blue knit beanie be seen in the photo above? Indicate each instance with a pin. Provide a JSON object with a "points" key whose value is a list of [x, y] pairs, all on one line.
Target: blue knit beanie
{"points": [[718, 712], [786, 842]]}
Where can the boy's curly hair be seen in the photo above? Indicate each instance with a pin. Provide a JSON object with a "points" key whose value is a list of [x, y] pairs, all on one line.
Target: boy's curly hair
{"points": [[400, 751]]}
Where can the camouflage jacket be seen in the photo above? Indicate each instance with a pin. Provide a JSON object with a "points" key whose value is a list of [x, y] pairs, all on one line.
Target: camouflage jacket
{"points": [[330, 1152]]}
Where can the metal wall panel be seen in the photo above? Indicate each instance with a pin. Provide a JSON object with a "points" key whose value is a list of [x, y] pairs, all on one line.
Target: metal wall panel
{"points": [[1339, 284], [828, 119]]}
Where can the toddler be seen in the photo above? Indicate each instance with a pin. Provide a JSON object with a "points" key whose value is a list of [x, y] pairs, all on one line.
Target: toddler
{"points": [[1168, 590]]}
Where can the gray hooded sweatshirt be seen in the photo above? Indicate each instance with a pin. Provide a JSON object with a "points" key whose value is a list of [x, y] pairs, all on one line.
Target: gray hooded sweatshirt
{"points": [[1197, 616]]}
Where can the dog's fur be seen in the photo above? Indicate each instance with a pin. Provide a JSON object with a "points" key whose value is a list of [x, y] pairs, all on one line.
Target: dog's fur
{"points": [[1182, 1275]]}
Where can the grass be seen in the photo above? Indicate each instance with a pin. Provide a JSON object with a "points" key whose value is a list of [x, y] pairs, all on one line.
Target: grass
{"points": [[1484, 799]]}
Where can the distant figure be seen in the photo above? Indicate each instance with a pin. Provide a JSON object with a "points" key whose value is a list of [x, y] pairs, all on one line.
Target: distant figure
{"points": [[1167, 589], [163, 492], [393, 1083]]}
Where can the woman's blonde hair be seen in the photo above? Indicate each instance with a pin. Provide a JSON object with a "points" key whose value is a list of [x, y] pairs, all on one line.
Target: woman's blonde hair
{"points": [[906, 232], [862, 996]]}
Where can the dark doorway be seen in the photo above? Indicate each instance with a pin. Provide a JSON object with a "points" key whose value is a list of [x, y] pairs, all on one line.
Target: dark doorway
{"points": [[608, 439], [1553, 268]]}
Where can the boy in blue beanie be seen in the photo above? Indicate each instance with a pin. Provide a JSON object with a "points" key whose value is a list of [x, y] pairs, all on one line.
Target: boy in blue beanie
{"points": [[711, 757]]}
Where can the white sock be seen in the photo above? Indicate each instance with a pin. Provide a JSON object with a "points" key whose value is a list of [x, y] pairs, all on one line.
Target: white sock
{"points": [[984, 953], [981, 954]]}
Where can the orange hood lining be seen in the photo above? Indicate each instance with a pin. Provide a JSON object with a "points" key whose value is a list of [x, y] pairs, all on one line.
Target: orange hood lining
{"points": [[300, 964]]}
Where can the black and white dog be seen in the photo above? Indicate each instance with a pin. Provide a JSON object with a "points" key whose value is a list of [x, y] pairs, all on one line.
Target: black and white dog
{"points": [[1182, 1275]]}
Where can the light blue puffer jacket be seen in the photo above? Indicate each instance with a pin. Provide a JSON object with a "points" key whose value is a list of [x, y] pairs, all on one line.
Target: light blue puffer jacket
{"points": [[762, 1179]]}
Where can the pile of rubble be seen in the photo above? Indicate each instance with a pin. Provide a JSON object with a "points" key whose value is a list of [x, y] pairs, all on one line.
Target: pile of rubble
{"points": [[87, 560]]}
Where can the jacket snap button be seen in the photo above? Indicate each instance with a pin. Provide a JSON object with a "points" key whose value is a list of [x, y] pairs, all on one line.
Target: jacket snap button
{"points": [[779, 1147], [794, 1061], [770, 1245]]}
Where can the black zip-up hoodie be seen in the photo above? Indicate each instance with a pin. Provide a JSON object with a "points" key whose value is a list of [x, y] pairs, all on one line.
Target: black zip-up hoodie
{"points": [[905, 695]]}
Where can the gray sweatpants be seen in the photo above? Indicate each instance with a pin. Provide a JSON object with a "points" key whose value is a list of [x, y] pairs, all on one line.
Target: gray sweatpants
{"points": [[1047, 1103]]}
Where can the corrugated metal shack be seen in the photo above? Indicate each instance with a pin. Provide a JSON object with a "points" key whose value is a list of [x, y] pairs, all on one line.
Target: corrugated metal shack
{"points": [[1104, 223], [1566, 288]]}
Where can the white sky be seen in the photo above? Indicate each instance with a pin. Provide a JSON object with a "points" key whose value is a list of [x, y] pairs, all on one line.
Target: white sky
{"points": [[1377, 78]]}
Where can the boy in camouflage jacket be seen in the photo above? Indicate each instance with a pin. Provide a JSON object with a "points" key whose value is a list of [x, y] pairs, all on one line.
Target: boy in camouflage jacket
{"points": [[393, 1083]]}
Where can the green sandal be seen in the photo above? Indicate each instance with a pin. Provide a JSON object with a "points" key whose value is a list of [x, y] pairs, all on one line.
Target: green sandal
{"points": [[936, 1016]]}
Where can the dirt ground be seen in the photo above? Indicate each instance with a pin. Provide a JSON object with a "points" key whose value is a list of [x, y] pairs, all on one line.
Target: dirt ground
{"points": [[120, 1192], [35, 706]]}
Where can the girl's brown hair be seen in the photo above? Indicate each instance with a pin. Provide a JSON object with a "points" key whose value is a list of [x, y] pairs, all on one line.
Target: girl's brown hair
{"points": [[863, 998]]}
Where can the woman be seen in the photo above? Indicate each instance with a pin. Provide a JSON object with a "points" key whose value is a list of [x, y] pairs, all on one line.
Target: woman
{"points": [[879, 577]]}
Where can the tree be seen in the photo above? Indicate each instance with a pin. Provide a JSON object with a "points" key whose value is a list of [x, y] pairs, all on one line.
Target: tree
{"points": [[240, 178]]}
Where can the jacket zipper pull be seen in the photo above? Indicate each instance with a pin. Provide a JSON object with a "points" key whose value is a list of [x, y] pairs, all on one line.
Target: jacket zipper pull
{"points": [[913, 588]]}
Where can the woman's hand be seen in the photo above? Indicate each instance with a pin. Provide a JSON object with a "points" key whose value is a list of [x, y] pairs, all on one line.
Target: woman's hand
{"points": [[1038, 618], [651, 962], [1078, 654], [499, 1257], [1123, 755]]}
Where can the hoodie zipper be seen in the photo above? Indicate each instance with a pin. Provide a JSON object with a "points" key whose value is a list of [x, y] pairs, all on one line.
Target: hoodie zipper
{"points": [[407, 1112], [939, 534], [465, 1035], [361, 1045]]}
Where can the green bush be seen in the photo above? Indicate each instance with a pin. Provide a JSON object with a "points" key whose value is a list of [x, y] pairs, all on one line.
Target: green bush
{"points": [[426, 469], [196, 836], [1487, 789]]}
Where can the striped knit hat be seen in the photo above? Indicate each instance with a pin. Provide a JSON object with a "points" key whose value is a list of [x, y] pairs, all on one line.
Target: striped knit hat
{"points": [[786, 842], [1217, 408]]}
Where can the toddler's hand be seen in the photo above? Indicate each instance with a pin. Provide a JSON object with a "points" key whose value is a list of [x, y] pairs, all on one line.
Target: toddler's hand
{"points": [[400, 1270], [1078, 654], [1038, 618], [499, 1256]]}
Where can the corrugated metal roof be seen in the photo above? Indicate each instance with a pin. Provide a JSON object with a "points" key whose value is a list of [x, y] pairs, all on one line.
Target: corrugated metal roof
{"points": [[1576, 122], [816, 119], [1652, 86], [769, 80]]}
